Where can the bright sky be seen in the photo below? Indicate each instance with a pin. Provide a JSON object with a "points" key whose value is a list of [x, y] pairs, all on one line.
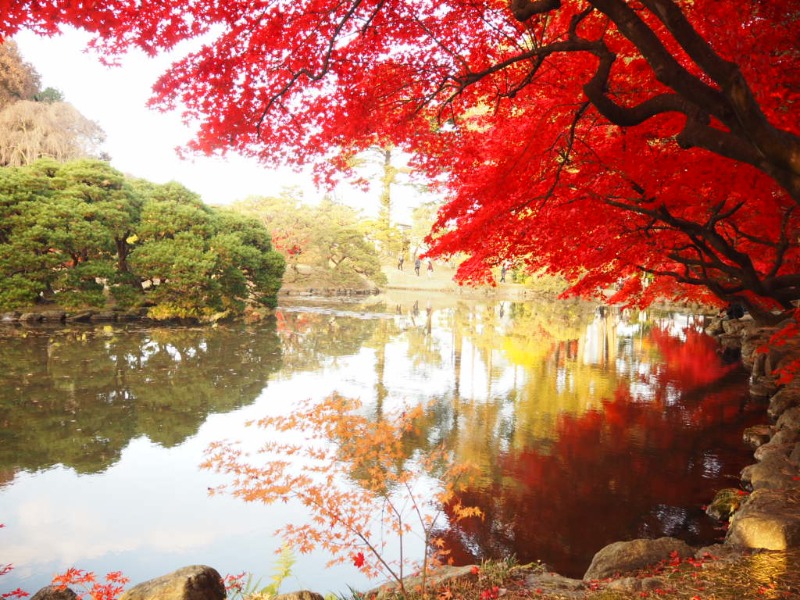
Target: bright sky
{"points": [[142, 142]]}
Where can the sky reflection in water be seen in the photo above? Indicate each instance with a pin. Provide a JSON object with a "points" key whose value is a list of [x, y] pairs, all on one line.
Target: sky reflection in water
{"points": [[589, 429]]}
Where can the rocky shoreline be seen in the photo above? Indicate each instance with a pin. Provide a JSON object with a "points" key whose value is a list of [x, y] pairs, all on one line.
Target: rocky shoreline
{"points": [[764, 514], [769, 516], [60, 317]]}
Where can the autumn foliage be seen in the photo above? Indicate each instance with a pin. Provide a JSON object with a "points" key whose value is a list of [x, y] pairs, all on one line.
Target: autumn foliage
{"points": [[88, 586], [367, 493], [595, 482], [611, 141], [85, 585]]}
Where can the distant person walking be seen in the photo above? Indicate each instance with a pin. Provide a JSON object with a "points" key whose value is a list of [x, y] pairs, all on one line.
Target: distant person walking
{"points": [[417, 265], [400, 260], [503, 270], [430, 268]]}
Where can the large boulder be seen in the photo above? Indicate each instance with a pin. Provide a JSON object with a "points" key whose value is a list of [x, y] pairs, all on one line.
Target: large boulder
{"points": [[775, 471], [103, 316], [769, 519], [726, 502], [780, 355], [735, 326], [790, 419], [757, 435], [437, 577], [714, 327], [301, 595], [785, 399], [197, 582], [625, 557], [52, 592], [555, 584], [83, 316], [762, 386], [53, 315], [794, 457], [753, 339], [782, 442]]}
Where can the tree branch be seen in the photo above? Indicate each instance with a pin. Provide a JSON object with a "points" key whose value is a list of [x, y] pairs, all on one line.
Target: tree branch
{"points": [[525, 9], [710, 250]]}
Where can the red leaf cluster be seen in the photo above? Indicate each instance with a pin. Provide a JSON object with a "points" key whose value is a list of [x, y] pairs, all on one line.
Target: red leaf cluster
{"points": [[88, 586], [645, 144]]}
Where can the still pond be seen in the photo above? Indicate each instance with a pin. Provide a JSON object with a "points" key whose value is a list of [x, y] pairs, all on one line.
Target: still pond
{"points": [[590, 427]]}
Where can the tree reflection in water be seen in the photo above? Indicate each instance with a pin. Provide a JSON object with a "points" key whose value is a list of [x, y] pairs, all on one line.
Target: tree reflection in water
{"points": [[604, 444], [589, 426], [78, 396]]}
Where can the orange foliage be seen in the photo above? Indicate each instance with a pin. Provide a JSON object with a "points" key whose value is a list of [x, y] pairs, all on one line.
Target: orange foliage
{"points": [[360, 483], [88, 585]]}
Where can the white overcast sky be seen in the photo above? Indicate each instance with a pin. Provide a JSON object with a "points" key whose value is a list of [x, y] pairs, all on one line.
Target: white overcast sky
{"points": [[142, 142]]}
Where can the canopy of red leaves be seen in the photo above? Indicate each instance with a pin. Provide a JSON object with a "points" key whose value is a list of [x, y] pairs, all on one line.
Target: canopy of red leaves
{"points": [[604, 140]]}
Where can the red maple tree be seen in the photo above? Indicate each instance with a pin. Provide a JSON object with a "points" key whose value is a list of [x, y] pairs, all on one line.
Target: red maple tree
{"points": [[600, 139]]}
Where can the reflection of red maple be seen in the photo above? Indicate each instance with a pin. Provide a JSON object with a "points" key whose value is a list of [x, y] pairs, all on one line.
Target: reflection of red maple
{"points": [[693, 361], [632, 469]]}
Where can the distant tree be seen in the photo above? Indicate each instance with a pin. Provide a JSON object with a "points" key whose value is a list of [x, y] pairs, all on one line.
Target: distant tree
{"points": [[378, 167], [179, 268], [247, 265], [289, 222], [18, 79], [25, 262], [342, 242], [61, 223], [32, 130], [117, 204], [330, 238], [172, 209], [49, 95], [37, 123], [201, 260], [422, 219]]}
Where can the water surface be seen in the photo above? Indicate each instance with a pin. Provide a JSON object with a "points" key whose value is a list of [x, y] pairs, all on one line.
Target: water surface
{"points": [[590, 427]]}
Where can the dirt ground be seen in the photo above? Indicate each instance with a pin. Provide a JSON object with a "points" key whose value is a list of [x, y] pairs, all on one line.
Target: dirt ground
{"points": [[441, 279]]}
